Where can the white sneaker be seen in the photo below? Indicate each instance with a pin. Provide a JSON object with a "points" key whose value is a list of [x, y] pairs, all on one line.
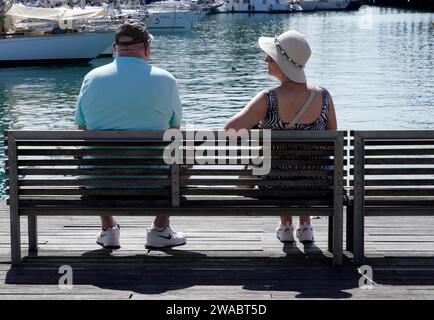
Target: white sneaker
{"points": [[285, 233], [305, 233], [109, 239], [164, 238]]}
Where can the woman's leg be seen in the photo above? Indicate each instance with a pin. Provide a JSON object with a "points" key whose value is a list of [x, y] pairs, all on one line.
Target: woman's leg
{"points": [[286, 219], [304, 220]]}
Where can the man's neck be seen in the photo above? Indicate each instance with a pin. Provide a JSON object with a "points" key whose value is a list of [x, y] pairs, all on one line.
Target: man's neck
{"points": [[139, 56]]}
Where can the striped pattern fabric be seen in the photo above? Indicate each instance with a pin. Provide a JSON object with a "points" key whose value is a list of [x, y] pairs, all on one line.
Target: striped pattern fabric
{"points": [[273, 122]]}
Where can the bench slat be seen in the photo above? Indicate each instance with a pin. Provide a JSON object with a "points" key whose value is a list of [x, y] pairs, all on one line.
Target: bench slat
{"points": [[396, 171], [97, 192], [188, 211], [398, 152], [105, 172], [400, 182], [95, 182]]}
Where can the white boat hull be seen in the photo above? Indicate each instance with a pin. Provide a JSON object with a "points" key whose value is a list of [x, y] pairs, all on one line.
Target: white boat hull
{"points": [[165, 21], [309, 5], [54, 48], [253, 6], [332, 4]]}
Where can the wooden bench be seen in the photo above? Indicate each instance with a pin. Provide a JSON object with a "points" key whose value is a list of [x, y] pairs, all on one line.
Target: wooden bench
{"points": [[392, 175], [64, 173]]}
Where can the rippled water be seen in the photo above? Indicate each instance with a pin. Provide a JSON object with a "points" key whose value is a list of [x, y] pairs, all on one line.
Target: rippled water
{"points": [[377, 63]]}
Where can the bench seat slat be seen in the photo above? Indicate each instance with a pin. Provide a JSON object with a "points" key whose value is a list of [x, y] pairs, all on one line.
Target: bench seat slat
{"points": [[88, 162], [396, 171], [400, 182], [94, 182], [96, 192], [190, 211], [105, 172], [90, 152], [259, 193], [397, 152], [396, 161], [259, 182], [404, 192]]}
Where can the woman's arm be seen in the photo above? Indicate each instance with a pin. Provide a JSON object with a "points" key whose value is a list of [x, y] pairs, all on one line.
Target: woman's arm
{"points": [[251, 115], [332, 122]]}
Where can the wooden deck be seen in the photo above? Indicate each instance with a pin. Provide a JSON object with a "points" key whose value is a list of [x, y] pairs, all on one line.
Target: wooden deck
{"points": [[225, 258]]}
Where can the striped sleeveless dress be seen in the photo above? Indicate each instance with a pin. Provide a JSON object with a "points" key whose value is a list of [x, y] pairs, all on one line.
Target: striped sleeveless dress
{"points": [[272, 121]]}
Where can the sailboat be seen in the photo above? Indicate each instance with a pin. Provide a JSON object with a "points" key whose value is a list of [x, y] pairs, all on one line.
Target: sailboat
{"points": [[47, 35]]}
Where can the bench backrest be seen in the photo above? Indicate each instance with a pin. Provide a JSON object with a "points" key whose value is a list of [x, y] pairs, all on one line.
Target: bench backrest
{"points": [[108, 169], [392, 165]]}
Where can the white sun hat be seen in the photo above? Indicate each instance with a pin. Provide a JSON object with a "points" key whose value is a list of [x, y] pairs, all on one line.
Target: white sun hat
{"points": [[291, 52]]}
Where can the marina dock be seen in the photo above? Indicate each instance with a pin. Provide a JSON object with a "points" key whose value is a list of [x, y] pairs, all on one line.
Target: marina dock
{"points": [[225, 258], [427, 5]]}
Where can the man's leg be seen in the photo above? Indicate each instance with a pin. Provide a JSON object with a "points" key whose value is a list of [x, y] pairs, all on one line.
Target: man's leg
{"points": [[162, 235], [110, 233], [108, 222], [161, 221]]}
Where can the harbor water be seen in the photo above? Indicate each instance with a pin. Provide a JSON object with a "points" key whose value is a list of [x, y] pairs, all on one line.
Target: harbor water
{"points": [[378, 64]]}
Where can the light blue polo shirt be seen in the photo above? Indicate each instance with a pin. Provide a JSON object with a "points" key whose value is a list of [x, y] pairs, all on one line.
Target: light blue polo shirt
{"points": [[128, 94]]}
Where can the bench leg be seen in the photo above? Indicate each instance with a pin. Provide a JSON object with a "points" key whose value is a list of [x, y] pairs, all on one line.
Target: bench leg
{"points": [[330, 234], [350, 228], [338, 235], [15, 238], [359, 237], [33, 233]]}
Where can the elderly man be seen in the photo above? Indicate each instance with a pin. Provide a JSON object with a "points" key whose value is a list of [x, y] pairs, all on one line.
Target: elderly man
{"points": [[130, 94]]}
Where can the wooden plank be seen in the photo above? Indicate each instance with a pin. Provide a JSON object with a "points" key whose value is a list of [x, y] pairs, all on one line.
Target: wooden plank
{"points": [[258, 182], [404, 192], [258, 193], [248, 172], [158, 135], [187, 211], [93, 143], [163, 182], [175, 185], [397, 171], [359, 198], [89, 162], [90, 152], [400, 182], [13, 201], [338, 202], [105, 172], [397, 152], [32, 233], [155, 193], [396, 211], [396, 134], [396, 161]]}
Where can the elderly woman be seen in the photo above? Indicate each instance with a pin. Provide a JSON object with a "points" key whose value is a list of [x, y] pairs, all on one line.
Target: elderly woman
{"points": [[294, 104]]}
